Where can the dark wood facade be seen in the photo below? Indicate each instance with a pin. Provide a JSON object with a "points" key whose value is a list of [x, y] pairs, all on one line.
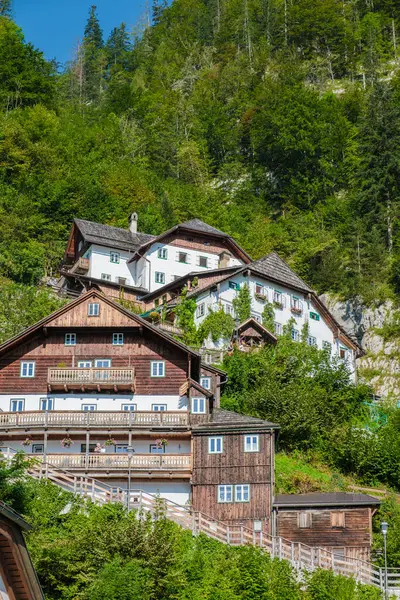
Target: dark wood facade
{"points": [[343, 525], [17, 575]]}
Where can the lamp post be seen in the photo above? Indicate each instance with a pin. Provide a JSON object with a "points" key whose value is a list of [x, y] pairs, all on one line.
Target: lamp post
{"points": [[384, 529], [130, 452]]}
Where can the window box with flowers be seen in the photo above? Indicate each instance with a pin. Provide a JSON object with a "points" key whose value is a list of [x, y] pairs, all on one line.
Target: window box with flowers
{"points": [[161, 443], [296, 310], [278, 304], [261, 297], [66, 442]]}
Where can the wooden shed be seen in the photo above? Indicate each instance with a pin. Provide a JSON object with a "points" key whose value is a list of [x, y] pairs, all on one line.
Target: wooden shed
{"points": [[18, 579], [339, 522]]}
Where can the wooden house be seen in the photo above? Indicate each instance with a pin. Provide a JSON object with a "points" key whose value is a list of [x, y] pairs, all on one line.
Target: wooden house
{"points": [[18, 580], [339, 522]]}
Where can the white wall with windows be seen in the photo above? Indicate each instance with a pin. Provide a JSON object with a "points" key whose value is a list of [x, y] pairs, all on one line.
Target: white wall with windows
{"points": [[288, 305], [109, 264], [140, 446], [18, 402]]}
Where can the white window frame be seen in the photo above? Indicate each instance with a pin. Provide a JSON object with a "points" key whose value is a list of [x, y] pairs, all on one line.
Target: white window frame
{"points": [[312, 341], [229, 310], [84, 364], [70, 339], [240, 492], [105, 277], [279, 298], [225, 494], [129, 407], [295, 334], [115, 255], [278, 328], [102, 360], [261, 289], [206, 386], [327, 346], [46, 401], [88, 407], [155, 368], [28, 369], [296, 303], [159, 277], [198, 406], [117, 339], [18, 400], [215, 445], [93, 309], [159, 407], [251, 443], [201, 310], [161, 252]]}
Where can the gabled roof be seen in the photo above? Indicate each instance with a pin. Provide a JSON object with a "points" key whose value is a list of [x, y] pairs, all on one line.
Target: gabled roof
{"points": [[12, 515], [253, 324], [273, 267], [221, 419], [196, 226], [95, 294], [103, 282], [113, 237], [324, 499]]}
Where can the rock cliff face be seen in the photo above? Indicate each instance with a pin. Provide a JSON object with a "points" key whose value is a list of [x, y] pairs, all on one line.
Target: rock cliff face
{"points": [[373, 329]]}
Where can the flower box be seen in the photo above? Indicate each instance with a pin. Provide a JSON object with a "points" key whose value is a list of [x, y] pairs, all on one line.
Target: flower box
{"points": [[296, 311], [261, 297], [278, 304]]}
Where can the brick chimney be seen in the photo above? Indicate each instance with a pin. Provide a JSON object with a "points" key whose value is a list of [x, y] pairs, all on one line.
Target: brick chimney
{"points": [[133, 219]]}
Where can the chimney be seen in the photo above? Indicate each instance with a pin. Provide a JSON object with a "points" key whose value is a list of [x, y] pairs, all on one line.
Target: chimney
{"points": [[133, 223], [224, 259]]}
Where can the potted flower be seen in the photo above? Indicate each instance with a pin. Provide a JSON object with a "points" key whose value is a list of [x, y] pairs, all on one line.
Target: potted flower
{"points": [[261, 297], [110, 442], [278, 304], [66, 442], [161, 443], [27, 441]]}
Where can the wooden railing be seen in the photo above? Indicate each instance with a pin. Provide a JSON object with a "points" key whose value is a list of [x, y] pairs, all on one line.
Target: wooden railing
{"points": [[300, 556], [147, 462], [95, 418], [170, 328], [90, 376], [82, 265]]}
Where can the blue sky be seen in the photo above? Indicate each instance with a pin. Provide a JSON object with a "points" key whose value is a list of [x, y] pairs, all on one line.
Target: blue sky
{"points": [[55, 26]]}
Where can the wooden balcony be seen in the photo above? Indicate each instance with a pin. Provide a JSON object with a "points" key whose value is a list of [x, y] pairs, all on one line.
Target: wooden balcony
{"points": [[93, 419], [115, 462], [81, 266], [94, 379]]}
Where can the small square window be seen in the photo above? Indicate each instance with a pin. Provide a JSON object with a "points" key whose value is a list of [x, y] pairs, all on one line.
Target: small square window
{"points": [[70, 339], [342, 353], [251, 443], [84, 364], [157, 449], [115, 257], [118, 339], [205, 382], [93, 309], [106, 276], [157, 368], [203, 261], [242, 493], [102, 363], [159, 407], [304, 520], [89, 407], [162, 253], [225, 493], [17, 404], [198, 406], [200, 310], [128, 407], [215, 445], [338, 519], [159, 277], [28, 368], [183, 257]]}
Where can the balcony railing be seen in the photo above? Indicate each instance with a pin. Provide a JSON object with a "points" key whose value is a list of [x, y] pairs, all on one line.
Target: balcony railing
{"points": [[82, 265], [113, 419], [82, 378], [107, 462]]}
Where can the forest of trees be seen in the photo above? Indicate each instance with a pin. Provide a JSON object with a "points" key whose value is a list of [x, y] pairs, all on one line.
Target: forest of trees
{"points": [[276, 121]]}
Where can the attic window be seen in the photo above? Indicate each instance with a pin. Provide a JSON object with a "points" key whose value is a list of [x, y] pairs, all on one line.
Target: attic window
{"points": [[304, 520], [115, 257], [93, 309], [338, 519]]}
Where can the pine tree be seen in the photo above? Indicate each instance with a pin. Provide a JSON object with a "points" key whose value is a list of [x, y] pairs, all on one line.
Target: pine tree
{"points": [[93, 57], [157, 10], [242, 303], [118, 46]]}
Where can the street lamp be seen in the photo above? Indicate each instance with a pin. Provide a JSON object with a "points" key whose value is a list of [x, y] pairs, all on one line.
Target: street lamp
{"points": [[384, 529], [130, 452]]}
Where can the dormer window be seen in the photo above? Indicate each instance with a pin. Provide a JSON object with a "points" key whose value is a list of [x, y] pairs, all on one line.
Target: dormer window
{"points": [[115, 257], [93, 309]]}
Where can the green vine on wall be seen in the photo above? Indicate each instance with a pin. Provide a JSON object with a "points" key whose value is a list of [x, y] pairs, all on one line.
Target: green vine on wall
{"points": [[242, 303], [218, 324]]}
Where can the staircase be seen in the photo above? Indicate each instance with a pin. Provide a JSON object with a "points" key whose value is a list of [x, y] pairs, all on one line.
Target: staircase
{"points": [[300, 556]]}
